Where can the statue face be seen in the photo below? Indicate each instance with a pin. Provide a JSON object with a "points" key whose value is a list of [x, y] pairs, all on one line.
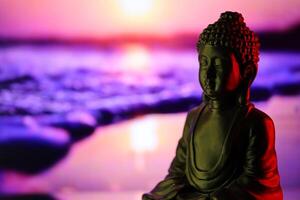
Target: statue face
{"points": [[219, 72]]}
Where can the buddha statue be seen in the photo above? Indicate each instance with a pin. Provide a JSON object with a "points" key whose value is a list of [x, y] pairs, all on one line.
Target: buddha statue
{"points": [[227, 149]]}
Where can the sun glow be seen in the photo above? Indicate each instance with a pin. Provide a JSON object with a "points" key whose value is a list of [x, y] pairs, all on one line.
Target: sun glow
{"points": [[135, 59], [143, 136], [136, 8]]}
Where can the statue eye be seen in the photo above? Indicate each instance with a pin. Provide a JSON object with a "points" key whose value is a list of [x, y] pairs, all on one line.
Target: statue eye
{"points": [[218, 62], [203, 61]]}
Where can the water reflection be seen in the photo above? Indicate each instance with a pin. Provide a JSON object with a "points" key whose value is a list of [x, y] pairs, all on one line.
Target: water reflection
{"points": [[143, 139], [143, 135]]}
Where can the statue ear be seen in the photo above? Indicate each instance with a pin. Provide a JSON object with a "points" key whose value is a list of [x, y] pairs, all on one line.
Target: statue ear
{"points": [[249, 73]]}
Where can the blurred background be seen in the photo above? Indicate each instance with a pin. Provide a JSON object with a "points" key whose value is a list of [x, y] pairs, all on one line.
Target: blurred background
{"points": [[94, 94]]}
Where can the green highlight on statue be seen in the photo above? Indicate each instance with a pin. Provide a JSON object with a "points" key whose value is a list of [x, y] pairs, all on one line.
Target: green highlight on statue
{"points": [[227, 150]]}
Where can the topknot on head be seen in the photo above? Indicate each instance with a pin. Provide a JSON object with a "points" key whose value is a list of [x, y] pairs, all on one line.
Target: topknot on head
{"points": [[230, 31], [231, 16]]}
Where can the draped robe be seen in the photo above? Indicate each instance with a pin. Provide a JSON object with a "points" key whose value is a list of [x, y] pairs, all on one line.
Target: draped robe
{"points": [[246, 169]]}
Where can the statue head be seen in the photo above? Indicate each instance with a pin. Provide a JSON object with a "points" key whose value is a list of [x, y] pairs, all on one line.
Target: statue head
{"points": [[228, 53]]}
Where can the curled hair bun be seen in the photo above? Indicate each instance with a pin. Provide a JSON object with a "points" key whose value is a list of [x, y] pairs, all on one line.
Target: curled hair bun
{"points": [[230, 31]]}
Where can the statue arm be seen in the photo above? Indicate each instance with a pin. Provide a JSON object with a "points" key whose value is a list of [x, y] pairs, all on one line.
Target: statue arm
{"points": [[175, 179], [260, 177]]}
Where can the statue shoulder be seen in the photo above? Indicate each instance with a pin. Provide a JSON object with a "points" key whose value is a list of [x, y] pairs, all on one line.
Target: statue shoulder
{"points": [[192, 113], [261, 124], [259, 117]]}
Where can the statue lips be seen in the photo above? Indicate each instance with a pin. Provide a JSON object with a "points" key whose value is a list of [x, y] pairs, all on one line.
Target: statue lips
{"points": [[210, 86]]}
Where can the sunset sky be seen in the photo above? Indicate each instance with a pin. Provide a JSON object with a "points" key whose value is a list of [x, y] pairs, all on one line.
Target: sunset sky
{"points": [[106, 18]]}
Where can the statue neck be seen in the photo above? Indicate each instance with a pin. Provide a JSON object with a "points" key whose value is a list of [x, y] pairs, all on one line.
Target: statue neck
{"points": [[230, 101], [244, 97], [222, 104]]}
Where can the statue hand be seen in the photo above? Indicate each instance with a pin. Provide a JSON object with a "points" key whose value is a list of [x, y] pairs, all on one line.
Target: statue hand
{"points": [[149, 196]]}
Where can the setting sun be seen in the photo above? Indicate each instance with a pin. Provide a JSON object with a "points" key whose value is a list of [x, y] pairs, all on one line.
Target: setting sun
{"points": [[136, 8], [135, 59]]}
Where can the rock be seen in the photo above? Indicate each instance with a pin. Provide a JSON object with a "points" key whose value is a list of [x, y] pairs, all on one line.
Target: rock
{"points": [[76, 130], [31, 150], [16, 80], [287, 88], [104, 116], [78, 125], [259, 93], [27, 197]]}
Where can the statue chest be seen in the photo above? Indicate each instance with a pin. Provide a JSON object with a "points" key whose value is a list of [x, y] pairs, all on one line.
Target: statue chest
{"points": [[209, 137]]}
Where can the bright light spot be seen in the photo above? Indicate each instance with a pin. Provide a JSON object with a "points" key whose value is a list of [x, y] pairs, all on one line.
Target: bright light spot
{"points": [[136, 7], [135, 59], [143, 136]]}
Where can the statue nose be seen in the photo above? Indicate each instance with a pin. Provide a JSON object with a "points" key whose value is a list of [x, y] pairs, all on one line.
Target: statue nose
{"points": [[211, 72]]}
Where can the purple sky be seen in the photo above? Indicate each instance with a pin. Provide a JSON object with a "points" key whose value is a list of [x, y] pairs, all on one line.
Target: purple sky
{"points": [[105, 18]]}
